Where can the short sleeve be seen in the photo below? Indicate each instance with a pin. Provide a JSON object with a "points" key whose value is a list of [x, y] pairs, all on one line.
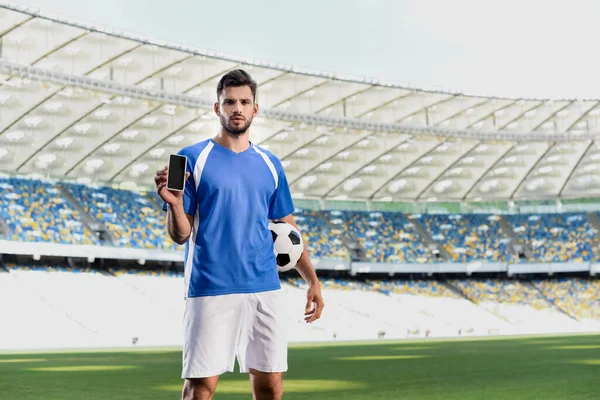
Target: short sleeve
{"points": [[281, 202], [189, 191]]}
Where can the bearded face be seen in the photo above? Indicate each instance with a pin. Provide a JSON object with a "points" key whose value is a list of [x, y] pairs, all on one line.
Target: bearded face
{"points": [[237, 109], [236, 125]]}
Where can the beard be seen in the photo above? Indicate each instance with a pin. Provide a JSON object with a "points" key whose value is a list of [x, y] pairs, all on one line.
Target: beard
{"points": [[235, 130]]}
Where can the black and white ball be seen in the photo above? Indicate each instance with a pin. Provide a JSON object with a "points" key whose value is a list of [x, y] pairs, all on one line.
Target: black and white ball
{"points": [[287, 244]]}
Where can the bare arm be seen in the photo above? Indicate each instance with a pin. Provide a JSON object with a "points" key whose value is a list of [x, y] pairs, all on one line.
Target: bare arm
{"points": [[179, 224], [314, 298], [304, 265]]}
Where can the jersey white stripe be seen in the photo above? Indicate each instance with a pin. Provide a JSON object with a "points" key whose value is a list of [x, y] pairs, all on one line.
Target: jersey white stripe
{"points": [[189, 262], [269, 164], [201, 162]]}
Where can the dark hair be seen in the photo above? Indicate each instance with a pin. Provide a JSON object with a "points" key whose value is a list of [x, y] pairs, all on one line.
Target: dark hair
{"points": [[236, 78]]}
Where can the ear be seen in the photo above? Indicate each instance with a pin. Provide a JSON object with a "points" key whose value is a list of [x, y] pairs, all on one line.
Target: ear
{"points": [[255, 110], [217, 109]]}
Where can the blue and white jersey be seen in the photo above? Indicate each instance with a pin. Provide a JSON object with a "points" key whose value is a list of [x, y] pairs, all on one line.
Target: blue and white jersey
{"points": [[232, 197]]}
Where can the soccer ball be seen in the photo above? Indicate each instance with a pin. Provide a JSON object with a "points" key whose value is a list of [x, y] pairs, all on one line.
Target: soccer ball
{"points": [[287, 244]]}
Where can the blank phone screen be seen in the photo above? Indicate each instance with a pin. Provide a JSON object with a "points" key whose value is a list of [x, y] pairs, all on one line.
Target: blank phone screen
{"points": [[176, 177]]}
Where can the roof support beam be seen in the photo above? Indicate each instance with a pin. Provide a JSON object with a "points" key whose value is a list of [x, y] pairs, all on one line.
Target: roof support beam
{"points": [[11, 68]]}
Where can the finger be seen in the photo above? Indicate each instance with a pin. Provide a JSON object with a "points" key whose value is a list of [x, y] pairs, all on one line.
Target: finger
{"points": [[309, 304], [310, 308], [316, 315], [312, 318], [318, 310], [159, 179], [160, 187]]}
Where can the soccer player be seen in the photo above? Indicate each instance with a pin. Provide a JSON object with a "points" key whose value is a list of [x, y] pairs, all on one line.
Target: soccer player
{"points": [[234, 304]]}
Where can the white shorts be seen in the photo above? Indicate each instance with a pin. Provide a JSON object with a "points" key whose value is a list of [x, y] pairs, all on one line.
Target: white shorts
{"points": [[249, 326]]}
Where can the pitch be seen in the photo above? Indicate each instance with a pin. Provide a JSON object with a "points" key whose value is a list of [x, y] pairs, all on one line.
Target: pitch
{"points": [[528, 368]]}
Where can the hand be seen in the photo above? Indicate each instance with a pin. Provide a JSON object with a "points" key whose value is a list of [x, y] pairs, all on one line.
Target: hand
{"points": [[171, 197], [314, 303]]}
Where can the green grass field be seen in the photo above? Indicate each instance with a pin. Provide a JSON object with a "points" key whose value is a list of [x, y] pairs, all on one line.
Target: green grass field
{"points": [[544, 368]]}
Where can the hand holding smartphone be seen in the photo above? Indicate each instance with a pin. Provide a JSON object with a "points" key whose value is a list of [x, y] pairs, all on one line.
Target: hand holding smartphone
{"points": [[176, 176], [170, 181]]}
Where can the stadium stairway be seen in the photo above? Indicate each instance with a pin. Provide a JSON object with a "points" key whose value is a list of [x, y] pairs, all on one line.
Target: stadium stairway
{"points": [[91, 223], [551, 302], [519, 248], [428, 240], [355, 249], [4, 228], [595, 222], [472, 300]]}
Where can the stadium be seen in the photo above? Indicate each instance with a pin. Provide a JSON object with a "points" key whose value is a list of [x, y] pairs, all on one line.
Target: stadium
{"points": [[456, 237]]}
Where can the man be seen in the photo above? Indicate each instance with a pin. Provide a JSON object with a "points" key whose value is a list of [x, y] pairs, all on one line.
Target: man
{"points": [[234, 304]]}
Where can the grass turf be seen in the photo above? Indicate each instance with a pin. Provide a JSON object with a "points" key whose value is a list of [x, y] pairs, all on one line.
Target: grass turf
{"points": [[528, 368]]}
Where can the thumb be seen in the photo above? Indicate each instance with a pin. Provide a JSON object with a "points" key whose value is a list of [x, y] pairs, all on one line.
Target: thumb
{"points": [[187, 175]]}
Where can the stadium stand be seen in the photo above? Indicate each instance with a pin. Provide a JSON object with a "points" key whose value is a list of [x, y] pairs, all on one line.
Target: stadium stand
{"points": [[35, 211], [323, 239], [500, 291], [578, 297], [146, 307], [557, 237], [415, 287], [521, 304], [386, 237], [134, 218], [469, 237]]}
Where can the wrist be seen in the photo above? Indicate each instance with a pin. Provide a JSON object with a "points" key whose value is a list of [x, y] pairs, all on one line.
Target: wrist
{"points": [[177, 204]]}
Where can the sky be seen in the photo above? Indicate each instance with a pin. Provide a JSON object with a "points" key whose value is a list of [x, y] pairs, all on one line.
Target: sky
{"points": [[507, 48]]}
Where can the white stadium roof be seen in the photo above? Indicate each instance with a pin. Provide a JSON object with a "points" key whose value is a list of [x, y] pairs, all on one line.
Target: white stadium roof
{"points": [[83, 102]]}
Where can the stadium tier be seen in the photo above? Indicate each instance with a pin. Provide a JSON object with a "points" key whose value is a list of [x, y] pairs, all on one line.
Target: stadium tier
{"points": [[146, 307], [322, 237], [499, 291], [387, 237], [134, 219], [469, 237], [576, 296], [35, 210], [557, 237]]}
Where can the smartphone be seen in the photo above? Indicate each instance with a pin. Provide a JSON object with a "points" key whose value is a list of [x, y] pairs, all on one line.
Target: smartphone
{"points": [[176, 177]]}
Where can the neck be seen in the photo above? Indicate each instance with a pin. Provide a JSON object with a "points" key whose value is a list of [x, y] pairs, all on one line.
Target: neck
{"points": [[234, 143]]}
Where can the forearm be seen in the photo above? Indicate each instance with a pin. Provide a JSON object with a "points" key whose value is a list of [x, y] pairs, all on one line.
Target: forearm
{"points": [[305, 268], [178, 224]]}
